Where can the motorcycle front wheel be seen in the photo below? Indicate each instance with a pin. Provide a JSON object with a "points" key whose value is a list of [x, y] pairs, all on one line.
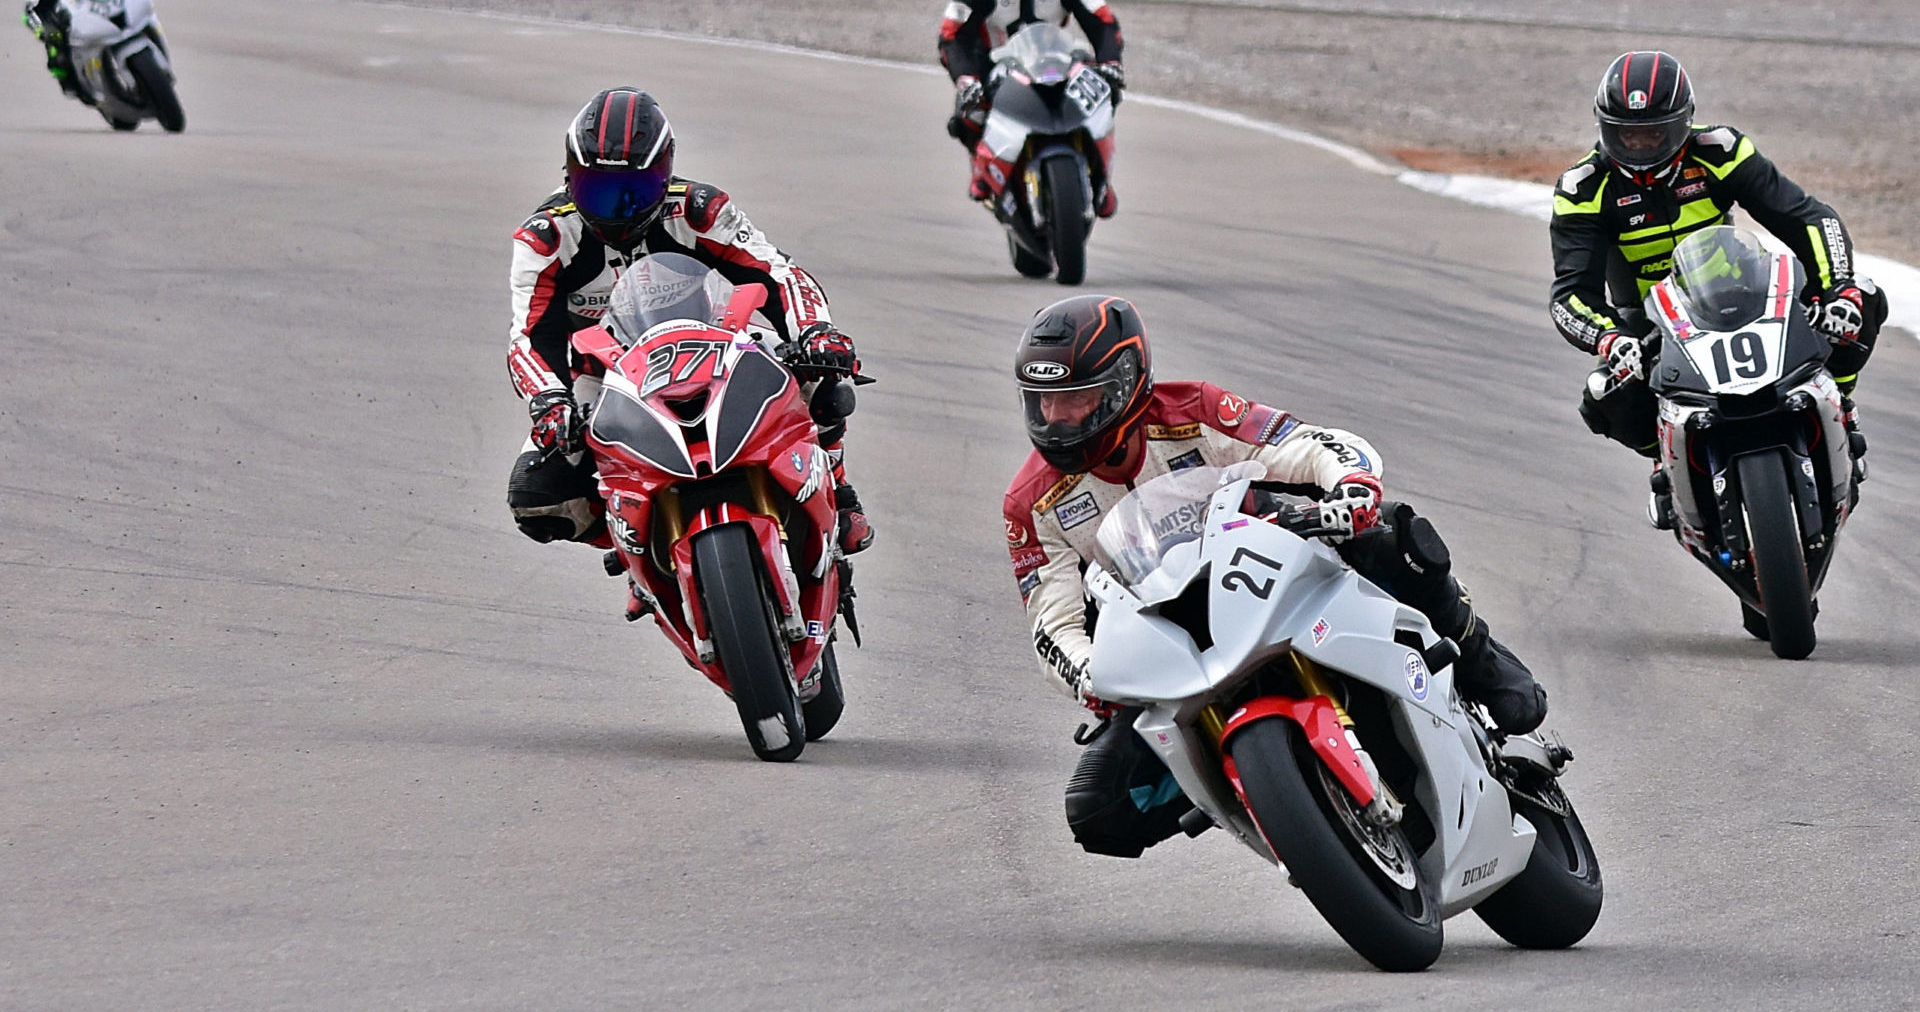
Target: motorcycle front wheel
{"points": [[1066, 191], [1779, 563], [1556, 899], [157, 87], [1364, 879], [747, 640]]}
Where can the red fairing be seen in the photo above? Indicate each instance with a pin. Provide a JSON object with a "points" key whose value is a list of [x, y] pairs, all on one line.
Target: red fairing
{"points": [[1321, 722], [695, 405]]}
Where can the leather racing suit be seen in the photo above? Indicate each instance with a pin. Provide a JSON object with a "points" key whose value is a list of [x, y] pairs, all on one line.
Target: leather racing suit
{"points": [[562, 278], [1613, 241], [1121, 798]]}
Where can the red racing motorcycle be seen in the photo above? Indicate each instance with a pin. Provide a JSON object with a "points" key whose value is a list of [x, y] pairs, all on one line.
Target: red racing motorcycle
{"points": [[719, 498]]}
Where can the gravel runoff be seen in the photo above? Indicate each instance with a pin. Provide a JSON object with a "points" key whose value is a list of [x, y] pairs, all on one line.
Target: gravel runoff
{"points": [[1501, 87]]}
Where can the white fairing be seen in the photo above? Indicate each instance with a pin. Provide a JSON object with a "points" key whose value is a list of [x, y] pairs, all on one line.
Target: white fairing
{"points": [[93, 22], [1269, 592]]}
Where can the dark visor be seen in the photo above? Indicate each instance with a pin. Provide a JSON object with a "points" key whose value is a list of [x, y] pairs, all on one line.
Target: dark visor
{"points": [[617, 195]]}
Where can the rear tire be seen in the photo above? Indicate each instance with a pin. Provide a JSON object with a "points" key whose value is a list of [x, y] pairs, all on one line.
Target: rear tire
{"points": [[1394, 925], [1028, 264], [1556, 899], [1065, 187], [156, 85], [746, 637], [1779, 563], [823, 710]]}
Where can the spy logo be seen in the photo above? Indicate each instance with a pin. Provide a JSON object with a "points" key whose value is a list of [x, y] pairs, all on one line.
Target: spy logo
{"points": [[1636, 220], [1233, 410]]}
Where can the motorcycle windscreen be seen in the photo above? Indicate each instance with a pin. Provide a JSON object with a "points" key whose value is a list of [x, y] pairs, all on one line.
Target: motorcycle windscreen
{"points": [[619, 420], [755, 382]]}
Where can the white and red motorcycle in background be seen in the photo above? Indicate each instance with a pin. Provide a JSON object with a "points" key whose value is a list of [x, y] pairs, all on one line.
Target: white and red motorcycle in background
{"points": [[120, 60], [1046, 151], [1314, 717]]}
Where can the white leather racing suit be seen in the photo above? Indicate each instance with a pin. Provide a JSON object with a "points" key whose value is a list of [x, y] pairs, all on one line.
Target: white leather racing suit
{"points": [[1051, 517]]}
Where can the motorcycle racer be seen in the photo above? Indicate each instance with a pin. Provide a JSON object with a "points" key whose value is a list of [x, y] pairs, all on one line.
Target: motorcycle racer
{"points": [[1100, 425], [971, 29], [50, 21], [621, 200], [1653, 178]]}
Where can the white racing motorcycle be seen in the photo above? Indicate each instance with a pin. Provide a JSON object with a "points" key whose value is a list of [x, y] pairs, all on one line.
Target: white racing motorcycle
{"points": [[1313, 717], [120, 60]]}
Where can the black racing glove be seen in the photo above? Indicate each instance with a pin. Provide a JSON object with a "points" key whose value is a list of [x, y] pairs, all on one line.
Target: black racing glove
{"points": [[819, 352], [1840, 313], [1116, 77], [558, 424]]}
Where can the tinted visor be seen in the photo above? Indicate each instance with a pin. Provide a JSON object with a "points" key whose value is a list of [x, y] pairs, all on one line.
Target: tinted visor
{"points": [[1647, 144], [621, 196], [1067, 417]]}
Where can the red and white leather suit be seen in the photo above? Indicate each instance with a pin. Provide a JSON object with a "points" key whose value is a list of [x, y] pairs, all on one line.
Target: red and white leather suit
{"points": [[1051, 517]]}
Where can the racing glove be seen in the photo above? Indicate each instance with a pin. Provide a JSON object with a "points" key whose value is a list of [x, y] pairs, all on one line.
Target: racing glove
{"points": [[1840, 313], [558, 424], [1351, 508], [820, 351], [1623, 356], [970, 99], [1116, 78]]}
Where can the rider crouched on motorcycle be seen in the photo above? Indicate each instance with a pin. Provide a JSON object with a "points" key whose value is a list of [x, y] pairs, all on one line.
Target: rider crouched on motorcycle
{"points": [[50, 21], [620, 202], [1100, 425], [1652, 179], [971, 29]]}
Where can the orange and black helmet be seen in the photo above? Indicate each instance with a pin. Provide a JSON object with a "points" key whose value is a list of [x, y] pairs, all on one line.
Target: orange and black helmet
{"points": [[1082, 345], [619, 163]]}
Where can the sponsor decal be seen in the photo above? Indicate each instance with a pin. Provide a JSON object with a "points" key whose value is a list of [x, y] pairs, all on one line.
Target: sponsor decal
{"points": [[1233, 409], [1690, 191], [1016, 534], [1043, 372], [1234, 525], [1836, 246], [1806, 468], [1693, 173], [799, 465], [1027, 584], [1029, 559], [1076, 511], [1636, 221], [1628, 200], [816, 630], [1162, 735], [1191, 458], [1059, 490], [1285, 429], [1636, 100], [1173, 432], [1057, 659], [1719, 484], [1320, 630], [539, 235], [1479, 873], [1417, 676], [1186, 518], [1345, 454]]}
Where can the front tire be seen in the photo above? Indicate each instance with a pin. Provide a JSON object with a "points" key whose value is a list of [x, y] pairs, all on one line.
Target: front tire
{"points": [[1556, 898], [1065, 187], [1779, 563], [1389, 918], [747, 640], [157, 87]]}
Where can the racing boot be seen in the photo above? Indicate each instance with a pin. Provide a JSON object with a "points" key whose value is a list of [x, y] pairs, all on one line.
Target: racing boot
{"points": [[855, 532], [1419, 572], [1856, 441], [1122, 799], [1106, 202], [1660, 500]]}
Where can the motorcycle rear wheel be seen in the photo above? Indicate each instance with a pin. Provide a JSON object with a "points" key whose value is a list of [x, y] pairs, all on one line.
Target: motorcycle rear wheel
{"points": [[1779, 563], [1556, 899], [157, 87], [1394, 926], [1065, 188], [823, 710], [746, 637]]}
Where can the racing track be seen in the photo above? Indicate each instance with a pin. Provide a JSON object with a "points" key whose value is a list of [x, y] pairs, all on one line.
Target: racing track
{"points": [[291, 717]]}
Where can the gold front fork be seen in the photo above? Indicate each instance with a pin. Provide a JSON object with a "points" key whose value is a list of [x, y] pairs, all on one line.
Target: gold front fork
{"points": [[1317, 684]]}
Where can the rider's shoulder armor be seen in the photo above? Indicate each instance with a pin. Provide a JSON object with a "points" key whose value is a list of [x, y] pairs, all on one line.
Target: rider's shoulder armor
{"points": [[1581, 183], [541, 232], [702, 202]]}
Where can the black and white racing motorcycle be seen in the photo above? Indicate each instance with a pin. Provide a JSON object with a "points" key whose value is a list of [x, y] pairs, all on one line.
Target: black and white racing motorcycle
{"points": [[120, 60], [1753, 443], [1314, 717], [1050, 135]]}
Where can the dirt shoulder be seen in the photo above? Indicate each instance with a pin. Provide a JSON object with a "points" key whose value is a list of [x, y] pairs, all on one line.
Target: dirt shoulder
{"points": [[1434, 91]]}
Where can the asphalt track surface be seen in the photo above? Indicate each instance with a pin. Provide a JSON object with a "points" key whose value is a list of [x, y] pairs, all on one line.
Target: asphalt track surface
{"points": [[290, 716]]}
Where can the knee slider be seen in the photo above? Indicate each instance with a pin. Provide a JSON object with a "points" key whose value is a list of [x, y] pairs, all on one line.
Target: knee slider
{"points": [[553, 500]]}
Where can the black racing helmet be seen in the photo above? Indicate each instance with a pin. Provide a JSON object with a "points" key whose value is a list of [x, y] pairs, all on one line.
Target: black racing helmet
{"points": [[1645, 111], [1093, 346], [619, 162]]}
